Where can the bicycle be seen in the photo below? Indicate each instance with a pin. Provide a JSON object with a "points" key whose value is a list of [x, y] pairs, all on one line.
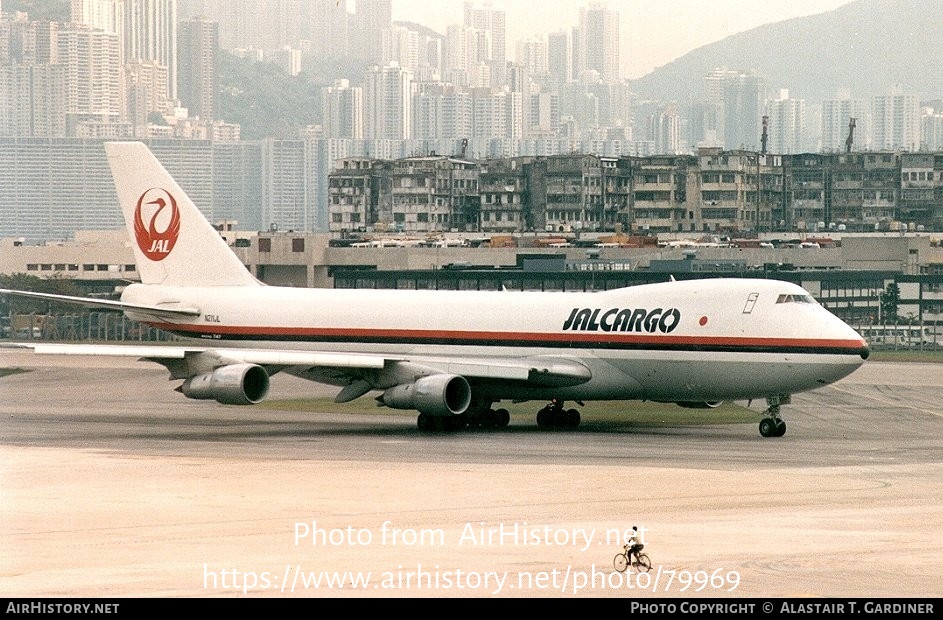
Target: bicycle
{"points": [[642, 563]]}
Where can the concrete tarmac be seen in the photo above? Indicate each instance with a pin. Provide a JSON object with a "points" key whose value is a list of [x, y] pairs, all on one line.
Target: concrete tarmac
{"points": [[114, 485]]}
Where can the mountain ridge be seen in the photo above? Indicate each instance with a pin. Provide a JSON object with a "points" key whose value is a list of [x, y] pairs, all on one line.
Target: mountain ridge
{"points": [[866, 47]]}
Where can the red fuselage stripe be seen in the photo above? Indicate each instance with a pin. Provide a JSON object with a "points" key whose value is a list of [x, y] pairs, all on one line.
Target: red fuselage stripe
{"points": [[481, 337]]}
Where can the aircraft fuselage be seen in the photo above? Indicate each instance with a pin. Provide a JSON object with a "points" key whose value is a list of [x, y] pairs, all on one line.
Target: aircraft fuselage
{"points": [[680, 341]]}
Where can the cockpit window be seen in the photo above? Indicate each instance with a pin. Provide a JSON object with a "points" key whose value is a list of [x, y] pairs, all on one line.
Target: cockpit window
{"points": [[795, 299]]}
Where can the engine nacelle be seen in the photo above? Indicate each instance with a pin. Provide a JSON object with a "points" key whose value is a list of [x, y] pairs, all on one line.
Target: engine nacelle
{"points": [[437, 395], [711, 404], [236, 384]]}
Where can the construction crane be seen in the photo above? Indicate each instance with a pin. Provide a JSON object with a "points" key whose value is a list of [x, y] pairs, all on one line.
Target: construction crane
{"points": [[851, 135], [764, 139]]}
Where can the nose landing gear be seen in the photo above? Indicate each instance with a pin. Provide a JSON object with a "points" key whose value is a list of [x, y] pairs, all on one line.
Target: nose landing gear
{"points": [[772, 425]]}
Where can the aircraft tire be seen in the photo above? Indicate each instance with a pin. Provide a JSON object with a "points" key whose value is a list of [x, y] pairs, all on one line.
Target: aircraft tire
{"points": [[454, 423], [768, 427], [780, 429], [424, 422], [502, 418], [572, 419]]}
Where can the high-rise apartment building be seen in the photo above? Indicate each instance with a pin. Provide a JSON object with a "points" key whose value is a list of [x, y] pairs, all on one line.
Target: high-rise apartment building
{"points": [[387, 103], [599, 43], [837, 115], [32, 99], [150, 34], [32, 88], [441, 111], [497, 114], [107, 15], [532, 55], [559, 57], [932, 130], [739, 100], [666, 131], [326, 28], [198, 44], [491, 25], [744, 101], [239, 23], [895, 122], [469, 58], [787, 125], [343, 110], [401, 45], [370, 20], [543, 114], [93, 71], [284, 196], [145, 88]]}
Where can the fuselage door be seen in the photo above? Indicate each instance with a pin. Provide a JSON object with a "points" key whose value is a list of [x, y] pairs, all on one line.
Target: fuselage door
{"points": [[751, 301]]}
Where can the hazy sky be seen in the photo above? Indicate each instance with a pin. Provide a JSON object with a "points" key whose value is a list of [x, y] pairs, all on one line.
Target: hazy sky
{"points": [[654, 32]]}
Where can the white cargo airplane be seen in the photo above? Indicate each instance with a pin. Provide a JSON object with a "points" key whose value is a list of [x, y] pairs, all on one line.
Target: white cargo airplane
{"points": [[451, 355]]}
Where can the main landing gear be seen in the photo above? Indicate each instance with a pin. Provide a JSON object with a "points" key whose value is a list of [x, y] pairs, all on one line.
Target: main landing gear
{"points": [[488, 418], [473, 418], [555, 416], [772, 425], [552, 416]]}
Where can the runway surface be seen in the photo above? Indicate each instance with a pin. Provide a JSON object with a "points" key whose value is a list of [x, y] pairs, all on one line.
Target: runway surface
{"points": [[112, 484]]}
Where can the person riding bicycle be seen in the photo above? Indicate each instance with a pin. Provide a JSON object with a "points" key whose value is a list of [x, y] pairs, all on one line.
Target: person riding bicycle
{"points": [[633, 545]]}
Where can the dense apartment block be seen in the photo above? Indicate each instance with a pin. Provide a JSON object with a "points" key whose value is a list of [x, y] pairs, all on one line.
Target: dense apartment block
{"points": [[503, 191], [52, 187], [414, 194], [717, 191]]}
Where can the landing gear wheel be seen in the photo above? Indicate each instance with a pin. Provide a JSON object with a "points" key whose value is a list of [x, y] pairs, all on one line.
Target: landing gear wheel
{"points": [[453, 423], [424, 422], [768, 427], [437, 424], [555, 416], [620, 563], [772, 425], [502, 418]]}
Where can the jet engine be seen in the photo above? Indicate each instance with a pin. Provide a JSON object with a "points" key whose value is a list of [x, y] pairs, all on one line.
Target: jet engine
{"points": [[436, 395], [236, 384]]}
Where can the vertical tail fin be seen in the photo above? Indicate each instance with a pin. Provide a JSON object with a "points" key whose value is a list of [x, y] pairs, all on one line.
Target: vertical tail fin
{"points": [[173, 242]]}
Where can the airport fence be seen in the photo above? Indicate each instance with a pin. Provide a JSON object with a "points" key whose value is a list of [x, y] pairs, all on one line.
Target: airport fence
{"points": [[81, 327], [895, 337]]}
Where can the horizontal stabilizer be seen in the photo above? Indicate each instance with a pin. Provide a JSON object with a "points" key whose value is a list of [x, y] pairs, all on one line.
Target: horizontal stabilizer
{"points": [[169, 311]]}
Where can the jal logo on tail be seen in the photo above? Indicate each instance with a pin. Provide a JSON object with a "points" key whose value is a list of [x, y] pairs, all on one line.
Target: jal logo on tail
{"points": [[158, 237]]}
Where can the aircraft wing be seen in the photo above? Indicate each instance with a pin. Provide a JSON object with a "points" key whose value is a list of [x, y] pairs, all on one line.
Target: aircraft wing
{"points": [[339, 368], [212, 357]]}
